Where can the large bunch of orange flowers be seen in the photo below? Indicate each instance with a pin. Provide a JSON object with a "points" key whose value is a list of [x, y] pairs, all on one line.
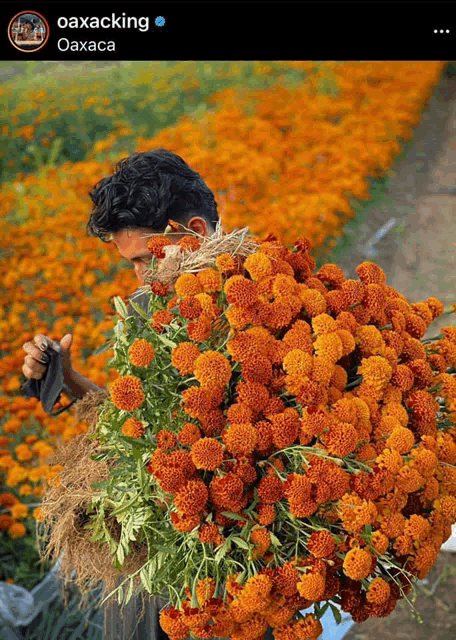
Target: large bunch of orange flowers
{"points": [[314, 445]]}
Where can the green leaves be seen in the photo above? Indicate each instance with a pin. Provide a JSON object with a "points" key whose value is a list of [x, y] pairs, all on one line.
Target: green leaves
{"points": [[139, 310], [120, 307]]}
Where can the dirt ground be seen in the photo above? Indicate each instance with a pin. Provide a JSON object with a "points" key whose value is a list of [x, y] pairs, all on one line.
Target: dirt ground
{"points": [[419, 262]]}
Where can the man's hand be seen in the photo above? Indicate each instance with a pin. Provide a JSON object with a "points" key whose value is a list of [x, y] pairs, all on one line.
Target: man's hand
{"points": [[35, 362]]}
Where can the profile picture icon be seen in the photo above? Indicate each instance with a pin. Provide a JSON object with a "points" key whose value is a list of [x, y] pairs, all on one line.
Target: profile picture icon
{"points": [[28, 31]]}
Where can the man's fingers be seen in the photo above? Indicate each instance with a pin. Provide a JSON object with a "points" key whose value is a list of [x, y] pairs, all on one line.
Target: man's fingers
{"points": [[31, 373], [34, 365], [42, 341], [35, 353]]}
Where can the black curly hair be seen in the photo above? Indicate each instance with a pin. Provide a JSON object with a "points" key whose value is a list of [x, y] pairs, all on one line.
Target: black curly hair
{"points": [[146, 191]]}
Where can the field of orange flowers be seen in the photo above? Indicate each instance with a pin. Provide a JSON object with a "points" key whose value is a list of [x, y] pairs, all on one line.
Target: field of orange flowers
{"points": [[282, 159]]}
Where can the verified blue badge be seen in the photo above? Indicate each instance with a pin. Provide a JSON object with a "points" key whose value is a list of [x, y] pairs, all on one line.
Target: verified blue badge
{"points": [[159, 21]]}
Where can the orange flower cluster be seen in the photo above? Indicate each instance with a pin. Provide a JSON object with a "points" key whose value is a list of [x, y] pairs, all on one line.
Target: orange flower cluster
{"points": [[313, 404]]}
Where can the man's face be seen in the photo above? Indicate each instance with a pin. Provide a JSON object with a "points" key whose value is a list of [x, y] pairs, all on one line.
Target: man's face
{"points": [[132, 244]]}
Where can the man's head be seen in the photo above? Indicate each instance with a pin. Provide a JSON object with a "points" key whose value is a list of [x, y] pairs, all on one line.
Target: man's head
{"points": [[144, 193]]}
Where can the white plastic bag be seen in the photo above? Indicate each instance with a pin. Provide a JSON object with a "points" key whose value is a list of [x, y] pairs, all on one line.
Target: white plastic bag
{"points": [[19, 607]]}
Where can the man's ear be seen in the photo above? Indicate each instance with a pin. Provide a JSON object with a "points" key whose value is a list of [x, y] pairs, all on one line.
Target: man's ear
{"points": [[199, 225]]}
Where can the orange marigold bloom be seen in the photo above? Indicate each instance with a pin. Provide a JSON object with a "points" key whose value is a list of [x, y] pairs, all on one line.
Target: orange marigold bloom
{"points": [[126, 393], [238, 317], [255, 593], [225, 263], [390, 459], [285, 427], [171, 621], [166, 439], [330, 346], [133, 428], [210, 280], [212, 369], [213, 422], [253, 394], [424, 407], [240, 439], [156, 244], [380, 542], [379, 591], [200, 330], [183, 357], [189, 243], [312, 282], [357, 564], [353, 292], [192, 498], [341, 439], [415, 325], [331, 273], [189, 434], [258, 265], [393, 525], [348, 341], [207, 304], [339, 378], [262, 541], [244, 345], [412, 349], [409, 480], [187, 284], [323, 323], [196, 402], [394, 340], [266, 514], [401, 439], [376, 372], [417, 527], [184, 524], [436, 307], [425, 557], [17, 530], [321, 544], [240, 291], [311, 586], [160, 319], [207, 454], [190, 308], [402, 377], [141, 353], [396, 410], [424, 461], [374, 298], [264, 441], [309, 627], [257, 369], [448, 508], [226, 491], [422, 373], [298, 362], [313, 301], [447, 350], [370, 340], [239, 412], [449, 333], [270, 489], [322, 370], [368, 272], [209, 533], [284, 286]]}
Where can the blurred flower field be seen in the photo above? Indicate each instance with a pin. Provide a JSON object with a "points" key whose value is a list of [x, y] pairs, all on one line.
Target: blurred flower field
{"points": [[286, 147]]}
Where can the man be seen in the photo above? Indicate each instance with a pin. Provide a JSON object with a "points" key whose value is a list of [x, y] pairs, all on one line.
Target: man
{"points": [[145, 191]]}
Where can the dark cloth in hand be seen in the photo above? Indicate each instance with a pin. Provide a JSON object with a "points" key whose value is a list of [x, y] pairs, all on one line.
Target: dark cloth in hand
{"points": [[49, 388]]}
